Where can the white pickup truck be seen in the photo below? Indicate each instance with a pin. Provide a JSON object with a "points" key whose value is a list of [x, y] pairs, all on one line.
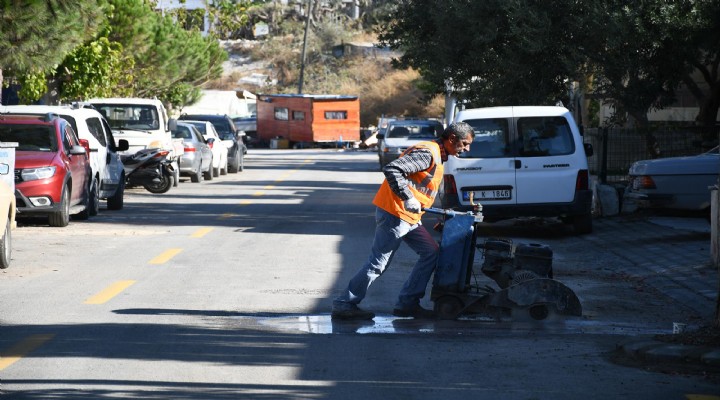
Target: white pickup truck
{"points": [[144, 123]]}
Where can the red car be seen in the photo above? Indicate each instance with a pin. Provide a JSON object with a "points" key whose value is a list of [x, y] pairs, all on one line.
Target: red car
{"points": [[51, 167]]}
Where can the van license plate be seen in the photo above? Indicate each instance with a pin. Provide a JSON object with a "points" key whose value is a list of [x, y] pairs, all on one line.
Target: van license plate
{"points": [[479, 195]]}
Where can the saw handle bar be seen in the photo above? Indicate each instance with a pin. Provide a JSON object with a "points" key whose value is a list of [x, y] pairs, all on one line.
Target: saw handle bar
{"points": [[440, 211]]}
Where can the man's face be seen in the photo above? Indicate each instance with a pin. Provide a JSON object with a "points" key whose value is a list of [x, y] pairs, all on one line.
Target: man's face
{"points": [[456, 146]]}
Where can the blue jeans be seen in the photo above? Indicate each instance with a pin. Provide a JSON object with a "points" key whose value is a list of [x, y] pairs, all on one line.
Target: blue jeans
{"points": [[390, 231]]}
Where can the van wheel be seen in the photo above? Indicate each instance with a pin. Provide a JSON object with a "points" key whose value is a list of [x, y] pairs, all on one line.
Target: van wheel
{"points": [[116, 202], [6, 245], [582, 224], [94, 203]]}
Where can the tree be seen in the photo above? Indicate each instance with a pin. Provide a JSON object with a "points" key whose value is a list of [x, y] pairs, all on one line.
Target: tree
{"points": [[36, 35], [493, 52]]}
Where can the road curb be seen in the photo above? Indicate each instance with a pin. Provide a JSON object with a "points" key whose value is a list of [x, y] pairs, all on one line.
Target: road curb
{"points": [[648, 350]]}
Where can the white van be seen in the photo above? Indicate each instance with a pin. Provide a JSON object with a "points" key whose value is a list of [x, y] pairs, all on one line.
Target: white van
{"points": [[524, 161], [107, 169], [144, 123]]}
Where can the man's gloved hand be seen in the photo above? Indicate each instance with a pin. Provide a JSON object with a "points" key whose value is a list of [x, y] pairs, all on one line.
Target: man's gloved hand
{"points": [[413, 205]]}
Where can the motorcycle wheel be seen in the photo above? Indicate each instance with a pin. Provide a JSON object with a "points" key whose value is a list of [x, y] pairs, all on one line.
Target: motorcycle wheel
{"points": [[161, 187]]}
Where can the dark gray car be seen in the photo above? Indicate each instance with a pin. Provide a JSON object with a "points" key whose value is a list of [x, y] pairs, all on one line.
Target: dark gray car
{"points": [[228, 134]]}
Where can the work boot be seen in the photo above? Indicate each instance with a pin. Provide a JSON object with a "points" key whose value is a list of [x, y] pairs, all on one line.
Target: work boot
{"points": [[351, 313], [416, 312]]}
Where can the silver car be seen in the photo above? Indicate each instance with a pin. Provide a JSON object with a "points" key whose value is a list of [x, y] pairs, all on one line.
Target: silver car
{"points": [[196, 162], [674, 183]]}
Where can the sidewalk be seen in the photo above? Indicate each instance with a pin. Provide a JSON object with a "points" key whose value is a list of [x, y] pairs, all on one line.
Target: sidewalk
{"points": [[677, 262]]}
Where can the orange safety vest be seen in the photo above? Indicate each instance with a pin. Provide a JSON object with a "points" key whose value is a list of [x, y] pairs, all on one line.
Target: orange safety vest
{"points": [[424, 186]]}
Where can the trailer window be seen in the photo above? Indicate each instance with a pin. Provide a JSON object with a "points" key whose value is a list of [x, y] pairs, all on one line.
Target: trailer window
{"points": [[335, 114], [281, 113], [299, 115]]}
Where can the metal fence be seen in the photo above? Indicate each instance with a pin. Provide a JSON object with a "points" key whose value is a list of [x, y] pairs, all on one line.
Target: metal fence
{"points": [[616, 149]]}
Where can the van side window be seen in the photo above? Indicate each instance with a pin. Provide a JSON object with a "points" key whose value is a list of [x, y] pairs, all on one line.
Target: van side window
{"points": [[492, 138], [95, 127], [544, 136]]}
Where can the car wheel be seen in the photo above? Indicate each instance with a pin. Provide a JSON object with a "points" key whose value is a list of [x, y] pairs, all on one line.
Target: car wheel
{"points": [[216, 172], [116, 202], [234, 168], [224, 168], [241, 163], [6, 245], [208, 175], [197, 175], [61, 218], [582, 224]]}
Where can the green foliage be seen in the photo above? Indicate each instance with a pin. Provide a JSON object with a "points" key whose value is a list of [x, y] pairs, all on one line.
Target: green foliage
{"points": [[32, 86], [96, 69], [230, 18], [35, 34]]}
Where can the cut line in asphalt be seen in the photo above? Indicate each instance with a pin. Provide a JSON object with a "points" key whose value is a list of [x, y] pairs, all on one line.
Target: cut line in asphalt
{"points": [[323, 324]]}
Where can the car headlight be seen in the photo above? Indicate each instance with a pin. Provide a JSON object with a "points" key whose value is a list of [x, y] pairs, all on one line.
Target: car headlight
{"points": [[31, 174], [393, 150]]}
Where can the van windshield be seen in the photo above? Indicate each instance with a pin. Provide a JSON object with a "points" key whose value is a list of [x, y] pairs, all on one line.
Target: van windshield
{"points": [[130, 116]]}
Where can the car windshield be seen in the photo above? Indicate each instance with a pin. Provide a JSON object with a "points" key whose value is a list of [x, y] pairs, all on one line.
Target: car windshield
{"points": [[130, 116], [410, 131], [30, 137]]}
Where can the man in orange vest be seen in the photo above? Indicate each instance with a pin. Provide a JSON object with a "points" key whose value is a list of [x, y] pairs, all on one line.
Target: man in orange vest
{"points": [[411, 183]]}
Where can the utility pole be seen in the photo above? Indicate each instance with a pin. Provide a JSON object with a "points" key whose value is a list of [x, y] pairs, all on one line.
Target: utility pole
{"points": [[302, 64]]}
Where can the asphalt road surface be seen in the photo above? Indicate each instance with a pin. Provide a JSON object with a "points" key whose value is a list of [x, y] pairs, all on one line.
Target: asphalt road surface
{"points": [[222, 290]]}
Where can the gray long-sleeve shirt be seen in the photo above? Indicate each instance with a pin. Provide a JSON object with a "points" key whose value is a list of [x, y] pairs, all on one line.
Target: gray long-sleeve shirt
{"points": [[396, 172]]}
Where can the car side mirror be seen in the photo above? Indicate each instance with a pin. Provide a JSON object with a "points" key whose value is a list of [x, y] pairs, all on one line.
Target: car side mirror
{"points": [[588, 149], [86, 145], [172, 124], [122, 145], [78, 150]]}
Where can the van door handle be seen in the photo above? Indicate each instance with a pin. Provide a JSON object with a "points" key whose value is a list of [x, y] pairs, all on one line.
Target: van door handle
{"points": [[518, 164]]}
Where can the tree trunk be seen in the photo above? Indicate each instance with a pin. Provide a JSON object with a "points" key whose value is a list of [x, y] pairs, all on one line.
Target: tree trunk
{"points": [[1, 85]]}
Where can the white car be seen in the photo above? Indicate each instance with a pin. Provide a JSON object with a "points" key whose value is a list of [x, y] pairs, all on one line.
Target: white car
{"points": [[524, 162], [674, 183], [218, 147], [107, 169]]}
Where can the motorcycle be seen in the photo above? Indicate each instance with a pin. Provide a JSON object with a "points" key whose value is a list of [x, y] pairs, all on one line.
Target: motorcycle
{"points": [[151, 169]]}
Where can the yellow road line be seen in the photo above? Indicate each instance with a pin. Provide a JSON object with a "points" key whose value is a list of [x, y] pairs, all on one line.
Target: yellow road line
{"points": [[165, 256], [201, 232], [226, 216], [23, 348], [110, 292], [259, 193]]}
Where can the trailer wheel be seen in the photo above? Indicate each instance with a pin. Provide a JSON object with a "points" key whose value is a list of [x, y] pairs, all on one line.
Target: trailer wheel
{"points": [[448, 307]]}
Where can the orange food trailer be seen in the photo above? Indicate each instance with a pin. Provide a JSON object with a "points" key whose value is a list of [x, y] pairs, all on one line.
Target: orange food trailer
{"points": [[308, 120]]}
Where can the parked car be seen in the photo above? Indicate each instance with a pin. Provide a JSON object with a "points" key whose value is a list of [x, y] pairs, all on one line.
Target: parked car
{"points": [[247, 124], [219, 150], [674, 183], [525, 161], [232, 138], [7, 218], [52, 170], [401, 134], [108, 174], [196, 161]]}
